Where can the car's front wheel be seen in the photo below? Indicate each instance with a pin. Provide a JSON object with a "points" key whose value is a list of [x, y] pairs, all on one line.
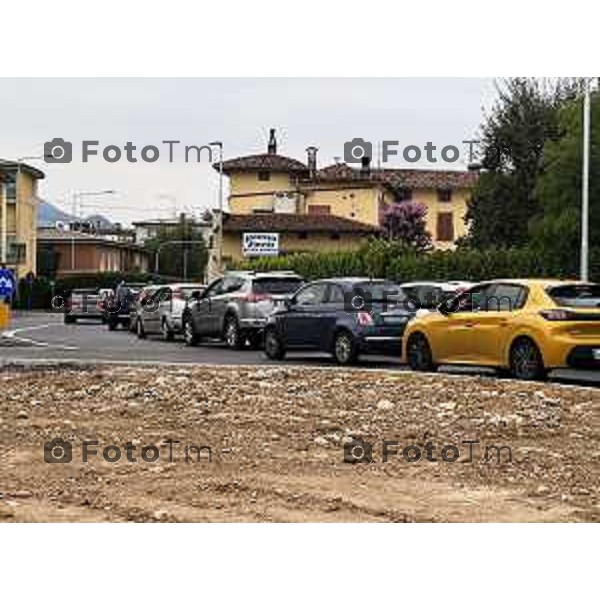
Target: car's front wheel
{"points": [[274, 347], [344, 348], [190, 337], [418, 353], [526, 361]]}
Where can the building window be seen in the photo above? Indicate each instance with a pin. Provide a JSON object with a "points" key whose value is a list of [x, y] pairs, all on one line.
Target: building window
{"points": [[262, 211], [404, 194], [264, 175], [319, 209], [10, 186], [445, 227], [303, 235], [444, 195]]}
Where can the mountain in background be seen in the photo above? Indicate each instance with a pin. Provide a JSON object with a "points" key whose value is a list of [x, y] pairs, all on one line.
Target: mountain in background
{"points": [[99, 221], [48, 215]]}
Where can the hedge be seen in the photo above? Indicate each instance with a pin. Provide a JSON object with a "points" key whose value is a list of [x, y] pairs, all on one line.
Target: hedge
{"points": [[37, 293], [379, 258]]}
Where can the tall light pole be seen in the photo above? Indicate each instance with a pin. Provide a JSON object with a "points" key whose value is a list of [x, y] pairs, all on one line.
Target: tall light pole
{"points": [[220, 239], [78, 196], [585, 186]]}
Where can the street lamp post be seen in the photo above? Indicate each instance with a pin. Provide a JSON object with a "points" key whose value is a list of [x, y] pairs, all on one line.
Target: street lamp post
{"points": [[78, 196], [585, 187], [220, 237]]}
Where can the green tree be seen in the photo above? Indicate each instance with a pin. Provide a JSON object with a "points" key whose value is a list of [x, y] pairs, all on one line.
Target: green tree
{"points": [[182, 251], [523, 119], [556, 232]]}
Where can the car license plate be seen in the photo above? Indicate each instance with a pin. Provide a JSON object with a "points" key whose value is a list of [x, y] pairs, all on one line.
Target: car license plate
{"points": [[596, 353]]}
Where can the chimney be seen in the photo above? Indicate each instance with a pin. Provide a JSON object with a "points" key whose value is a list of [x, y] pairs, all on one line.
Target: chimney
{"points": [[365, 169], [311, 160], [272, 147]]}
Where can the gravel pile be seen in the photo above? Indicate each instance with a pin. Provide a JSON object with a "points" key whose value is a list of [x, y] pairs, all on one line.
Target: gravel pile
{"points": [[278, 437]]}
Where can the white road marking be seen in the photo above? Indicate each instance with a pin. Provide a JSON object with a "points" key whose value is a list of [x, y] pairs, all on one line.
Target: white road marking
{"points": [[11, 334]]}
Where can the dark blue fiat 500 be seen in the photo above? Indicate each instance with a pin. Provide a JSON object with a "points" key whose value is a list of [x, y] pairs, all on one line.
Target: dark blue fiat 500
{"points": [[345, 317]]}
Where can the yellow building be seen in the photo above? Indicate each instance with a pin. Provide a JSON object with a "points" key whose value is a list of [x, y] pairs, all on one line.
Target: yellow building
{"points": [[18, 227], [334, 207]]}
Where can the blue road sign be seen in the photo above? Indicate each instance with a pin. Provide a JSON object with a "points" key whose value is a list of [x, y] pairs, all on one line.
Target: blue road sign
{"points": [[7, 283]]}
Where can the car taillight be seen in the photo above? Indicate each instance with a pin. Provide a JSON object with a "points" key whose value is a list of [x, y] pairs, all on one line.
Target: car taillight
{"points": [[558, 314], [256, 297], [365, 318]]}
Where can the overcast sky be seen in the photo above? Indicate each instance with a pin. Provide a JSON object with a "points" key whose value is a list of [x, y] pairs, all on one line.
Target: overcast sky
{"points": [[320, 112]]}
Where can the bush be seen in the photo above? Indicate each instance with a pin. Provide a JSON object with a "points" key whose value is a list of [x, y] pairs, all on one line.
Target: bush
{"points": [[381, 258], [38, 293]]}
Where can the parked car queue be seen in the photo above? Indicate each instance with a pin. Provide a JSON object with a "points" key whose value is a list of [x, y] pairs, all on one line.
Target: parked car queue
{"points": [[523, 328]]}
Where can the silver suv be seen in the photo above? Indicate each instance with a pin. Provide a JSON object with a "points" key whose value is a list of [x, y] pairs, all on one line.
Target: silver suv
{"points": [[235, 307]]}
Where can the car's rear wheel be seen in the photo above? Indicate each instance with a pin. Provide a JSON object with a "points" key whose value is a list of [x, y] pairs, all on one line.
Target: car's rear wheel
{"points": [[274, 347], [70, 319], [526, 361], [167, 332], [344, 348], [232, 334], [190, 337], [418, 353], [141, 332]]}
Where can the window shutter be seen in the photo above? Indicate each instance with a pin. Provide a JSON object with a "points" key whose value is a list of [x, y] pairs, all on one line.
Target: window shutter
{"points": [[445, 227]]}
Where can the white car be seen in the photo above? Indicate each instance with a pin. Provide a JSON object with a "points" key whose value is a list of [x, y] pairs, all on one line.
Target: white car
{"points": [[162, 311], [427, 295]]}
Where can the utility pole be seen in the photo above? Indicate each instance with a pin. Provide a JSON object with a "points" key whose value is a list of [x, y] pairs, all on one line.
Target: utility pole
{"points": [[585, 186], [184, 238]]}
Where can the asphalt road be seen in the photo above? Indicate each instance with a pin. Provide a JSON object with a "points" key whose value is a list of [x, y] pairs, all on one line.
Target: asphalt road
{"points": [[41, 336], [38, 336]]}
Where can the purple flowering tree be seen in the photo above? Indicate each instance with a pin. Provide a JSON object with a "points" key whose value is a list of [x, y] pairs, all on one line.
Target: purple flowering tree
{"points": [[405, 222]]}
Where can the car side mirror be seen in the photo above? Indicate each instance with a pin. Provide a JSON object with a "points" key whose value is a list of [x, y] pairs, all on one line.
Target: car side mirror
{"points": [[196, 294], [289, 303]]}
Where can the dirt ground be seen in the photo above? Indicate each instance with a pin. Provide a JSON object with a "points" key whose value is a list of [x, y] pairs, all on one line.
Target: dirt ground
{"points": [[277, 439]]}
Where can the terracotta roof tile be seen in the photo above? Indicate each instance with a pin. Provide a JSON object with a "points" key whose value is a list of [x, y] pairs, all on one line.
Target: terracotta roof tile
{"points": [[258, 162], [400, 177], [293, 222]]}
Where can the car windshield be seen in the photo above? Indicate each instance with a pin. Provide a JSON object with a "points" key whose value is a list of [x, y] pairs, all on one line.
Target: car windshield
{"points": [[381, 291], [276, 285], [187, 292], [576, 295]]}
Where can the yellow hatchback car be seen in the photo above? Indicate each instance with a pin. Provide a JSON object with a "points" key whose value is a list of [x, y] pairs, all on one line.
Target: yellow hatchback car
{"points": [[523, 327]]}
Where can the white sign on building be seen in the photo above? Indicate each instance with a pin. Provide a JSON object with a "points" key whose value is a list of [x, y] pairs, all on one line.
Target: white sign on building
{"points": [[260, 244]]}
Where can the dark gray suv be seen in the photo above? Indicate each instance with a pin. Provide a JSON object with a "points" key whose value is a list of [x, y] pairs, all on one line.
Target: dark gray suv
{"points": [[235, 307]]}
